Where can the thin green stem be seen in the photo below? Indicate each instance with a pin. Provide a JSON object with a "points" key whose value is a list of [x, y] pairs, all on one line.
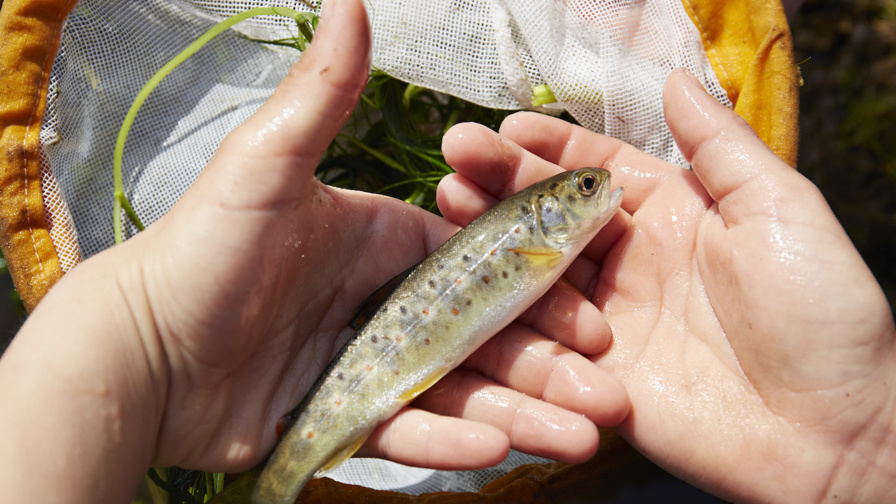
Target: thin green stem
{"points": [[375, 153], [410, 91], [120, 200], [542, 94]]}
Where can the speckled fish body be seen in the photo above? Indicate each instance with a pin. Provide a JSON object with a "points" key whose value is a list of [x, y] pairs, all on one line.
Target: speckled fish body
{"points": [[451, 303]]}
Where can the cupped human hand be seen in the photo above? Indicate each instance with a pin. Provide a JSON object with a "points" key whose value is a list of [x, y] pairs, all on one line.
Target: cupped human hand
{"points": [[252, 277], [756, 346]]}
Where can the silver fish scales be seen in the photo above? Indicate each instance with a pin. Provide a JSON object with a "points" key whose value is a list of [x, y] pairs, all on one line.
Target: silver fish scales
{"points": [[451, 303]]}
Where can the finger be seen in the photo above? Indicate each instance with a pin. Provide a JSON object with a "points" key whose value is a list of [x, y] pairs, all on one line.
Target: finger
{"points": [[420, 438], [287, 135], [533, 426], [525, 361], [566, 316], [500, 167], [612, 231], [491, 168], [582, 274], [737, 169], [460, 200], [572, 146]]}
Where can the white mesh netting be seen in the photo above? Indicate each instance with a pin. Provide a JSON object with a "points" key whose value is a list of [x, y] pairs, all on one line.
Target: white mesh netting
{"points": [[604, 60]]}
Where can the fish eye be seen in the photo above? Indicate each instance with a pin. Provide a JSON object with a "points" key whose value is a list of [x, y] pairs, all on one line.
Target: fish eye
{"points": [[586, 183]]}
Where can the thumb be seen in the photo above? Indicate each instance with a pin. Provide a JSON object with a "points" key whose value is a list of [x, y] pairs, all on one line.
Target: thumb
{"points": [[277, 149], [734, 165]]}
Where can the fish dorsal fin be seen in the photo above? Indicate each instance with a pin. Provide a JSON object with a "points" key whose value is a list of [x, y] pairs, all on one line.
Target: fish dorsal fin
{"points": [[369, 306], [540, 256]]}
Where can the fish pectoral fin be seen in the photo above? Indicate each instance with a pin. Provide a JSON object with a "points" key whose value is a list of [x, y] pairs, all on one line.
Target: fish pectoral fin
{"points": [[545, 256], [366, 310], [342, 456]]}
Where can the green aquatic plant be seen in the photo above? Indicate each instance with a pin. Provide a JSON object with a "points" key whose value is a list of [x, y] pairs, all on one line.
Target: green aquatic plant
{"points": [[306, 22], [392, 143]]}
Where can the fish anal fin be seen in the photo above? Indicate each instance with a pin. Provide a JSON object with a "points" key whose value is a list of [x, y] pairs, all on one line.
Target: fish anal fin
{"points": [[423, 386], [405, 398], [342, 456]]}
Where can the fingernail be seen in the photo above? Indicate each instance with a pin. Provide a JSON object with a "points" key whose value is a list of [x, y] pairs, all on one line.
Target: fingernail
{"points": [[327, 9], [698, 95], [693, 79]]}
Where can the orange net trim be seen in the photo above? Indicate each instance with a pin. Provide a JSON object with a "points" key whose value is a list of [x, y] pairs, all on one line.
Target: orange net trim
{"points": [[30, 38], [749, 45]]}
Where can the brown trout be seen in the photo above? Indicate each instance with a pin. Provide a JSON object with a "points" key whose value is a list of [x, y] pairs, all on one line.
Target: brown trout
{"points": [[451, 303]]}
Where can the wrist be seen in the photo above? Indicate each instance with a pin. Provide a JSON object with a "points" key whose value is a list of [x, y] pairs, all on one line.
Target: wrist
{"points": [[867, 469], [83, 391]]}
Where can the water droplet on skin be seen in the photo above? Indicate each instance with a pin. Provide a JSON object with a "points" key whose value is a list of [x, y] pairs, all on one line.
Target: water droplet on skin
{"points": [[290, 111]]}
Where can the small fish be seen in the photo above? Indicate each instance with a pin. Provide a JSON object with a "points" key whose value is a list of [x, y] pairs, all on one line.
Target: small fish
{"points": [[451, 303]]}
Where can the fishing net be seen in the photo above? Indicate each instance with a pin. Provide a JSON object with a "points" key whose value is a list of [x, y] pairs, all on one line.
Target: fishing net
{"points": [[71, 69]]}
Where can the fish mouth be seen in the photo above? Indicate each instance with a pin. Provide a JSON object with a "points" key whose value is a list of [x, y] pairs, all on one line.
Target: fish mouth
{"points": [[615, 200]]}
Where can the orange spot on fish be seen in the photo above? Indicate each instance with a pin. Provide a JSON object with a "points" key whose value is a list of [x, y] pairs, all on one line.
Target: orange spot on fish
{"points": [[370, 367], [486, 279], [310, 434], [458, 281], [493, 251], [426, 311], [427, 341], [455, 311], [338, 402], [399, 338], [282, 424]]}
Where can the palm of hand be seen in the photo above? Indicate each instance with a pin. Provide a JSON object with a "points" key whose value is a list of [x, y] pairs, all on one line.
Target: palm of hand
{"points": [[269, 318], [725, 339], [246, 286], [277, 262], [747, 330]]}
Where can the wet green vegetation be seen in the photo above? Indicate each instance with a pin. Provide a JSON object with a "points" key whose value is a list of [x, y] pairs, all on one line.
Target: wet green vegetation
{"points": [[392, 144]]}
